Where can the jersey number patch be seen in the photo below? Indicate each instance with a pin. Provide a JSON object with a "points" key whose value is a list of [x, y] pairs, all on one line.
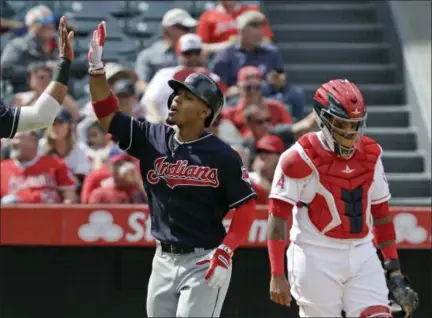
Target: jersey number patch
{"points": [[354, 208]]}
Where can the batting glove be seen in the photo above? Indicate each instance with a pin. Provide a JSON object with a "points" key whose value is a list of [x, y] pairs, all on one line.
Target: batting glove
{"points": [[97, 43], [219, 261]]}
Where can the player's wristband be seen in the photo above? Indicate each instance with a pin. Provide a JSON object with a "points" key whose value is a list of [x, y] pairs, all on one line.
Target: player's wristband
{"points": [[105, 107], [276, 250], [61, 74]]}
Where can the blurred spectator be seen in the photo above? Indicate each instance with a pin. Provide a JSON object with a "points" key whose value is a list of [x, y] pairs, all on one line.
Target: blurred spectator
{"points": [[37, 45], [249, 50], [276, 87], [129, 103], [124, 186], [225, 130], [39, 78], [191, 59], [29, 178], [250, 85], [60, 141], [258, 121], [160, 54], [9, 24], [101, 146], [269, 148], [102, 176], [218, 27]]}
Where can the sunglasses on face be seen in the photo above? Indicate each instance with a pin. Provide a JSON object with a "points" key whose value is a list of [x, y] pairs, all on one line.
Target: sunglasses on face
{"points": [[251, 88], [256, 24], [183, 28], [192, 52], [46, 20], [262, 121]]}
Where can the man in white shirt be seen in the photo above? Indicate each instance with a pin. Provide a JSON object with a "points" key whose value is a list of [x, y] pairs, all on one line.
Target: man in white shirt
{"points": [[191, 60]]}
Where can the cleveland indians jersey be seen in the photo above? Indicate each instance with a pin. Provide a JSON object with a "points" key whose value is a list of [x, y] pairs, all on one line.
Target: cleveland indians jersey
{"points": [[332, 196], [190, 186], [8, 121]]}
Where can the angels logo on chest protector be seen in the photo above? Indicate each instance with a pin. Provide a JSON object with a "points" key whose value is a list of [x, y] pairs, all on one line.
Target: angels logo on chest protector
{"points": [[341, 207], [180, 173]]}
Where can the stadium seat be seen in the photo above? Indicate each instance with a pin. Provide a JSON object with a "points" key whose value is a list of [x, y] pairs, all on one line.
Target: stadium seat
{"points": [[141, 29], [198, 7]]}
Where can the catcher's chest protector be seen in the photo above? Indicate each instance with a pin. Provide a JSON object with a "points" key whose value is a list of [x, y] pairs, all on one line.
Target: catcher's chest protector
{"points": [[344, 187]]}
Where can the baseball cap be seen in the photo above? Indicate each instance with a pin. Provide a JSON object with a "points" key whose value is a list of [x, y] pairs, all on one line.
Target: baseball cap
{"points": [[115, 69], [64, 115], [178, 16], [248, 17], [248, 72], [189, 42], [270, 143], [124, 87]]}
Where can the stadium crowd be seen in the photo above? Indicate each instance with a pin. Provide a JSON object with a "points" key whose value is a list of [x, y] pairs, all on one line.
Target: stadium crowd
{"points": [[74, 161]]}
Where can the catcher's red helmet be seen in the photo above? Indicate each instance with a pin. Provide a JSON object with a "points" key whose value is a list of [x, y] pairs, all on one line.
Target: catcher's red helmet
{"points": [[341, 115]]}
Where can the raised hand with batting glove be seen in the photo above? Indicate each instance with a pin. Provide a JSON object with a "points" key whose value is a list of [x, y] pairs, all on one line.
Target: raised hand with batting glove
{"points": [[96, 65], [219, 261], [400, 289]]}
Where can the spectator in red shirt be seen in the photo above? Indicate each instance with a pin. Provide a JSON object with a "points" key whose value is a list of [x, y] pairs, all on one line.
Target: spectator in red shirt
{"points": [[124, 186], [101, 177], [29, 178], [269, 148], [259, 122], [250, 83], [218, 27]]}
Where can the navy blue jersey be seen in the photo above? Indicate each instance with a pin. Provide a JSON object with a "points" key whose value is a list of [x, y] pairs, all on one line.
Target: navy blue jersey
{"points": [[190, 187], [8, 121]]}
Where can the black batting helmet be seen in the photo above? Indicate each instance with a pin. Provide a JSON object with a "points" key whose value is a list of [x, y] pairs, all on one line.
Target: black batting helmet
{"points": [[203, 87]]}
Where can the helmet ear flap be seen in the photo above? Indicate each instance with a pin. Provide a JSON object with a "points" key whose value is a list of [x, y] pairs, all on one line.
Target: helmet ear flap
{"points": [[170, 99]]}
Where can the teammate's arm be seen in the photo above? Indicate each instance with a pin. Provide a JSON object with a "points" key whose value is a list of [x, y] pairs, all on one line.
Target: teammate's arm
{"points": [[42, 114]]}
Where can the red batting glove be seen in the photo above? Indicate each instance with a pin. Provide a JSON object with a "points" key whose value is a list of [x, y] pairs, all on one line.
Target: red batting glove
{"points": [[97, 43], [219, 261]]}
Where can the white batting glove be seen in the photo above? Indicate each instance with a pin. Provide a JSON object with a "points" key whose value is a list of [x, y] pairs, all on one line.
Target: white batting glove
{"points": [[97, 43], [219, 261]]}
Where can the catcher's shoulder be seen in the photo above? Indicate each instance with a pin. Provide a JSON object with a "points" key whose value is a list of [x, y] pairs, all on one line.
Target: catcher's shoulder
{"points": [[293, 165], [371, 144]]}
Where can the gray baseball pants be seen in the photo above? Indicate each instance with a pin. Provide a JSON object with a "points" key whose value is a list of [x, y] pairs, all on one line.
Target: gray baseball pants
{"points": [[177, 287]]}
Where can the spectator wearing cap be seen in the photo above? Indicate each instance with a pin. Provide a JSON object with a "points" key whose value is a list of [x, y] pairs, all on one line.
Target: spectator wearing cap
{"points": [[269, 148], [60, 141], [218, 27], [35, 46], [258, 121], [161, 54], [103, 176], [191, 59], [276, 87], [128, 99], [250, 49], [39, 77], [32, 178], [250, 82], [123, 186]]}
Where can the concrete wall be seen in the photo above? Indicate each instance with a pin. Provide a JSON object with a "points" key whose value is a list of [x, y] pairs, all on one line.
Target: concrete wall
{"points": [[413, 23]]}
